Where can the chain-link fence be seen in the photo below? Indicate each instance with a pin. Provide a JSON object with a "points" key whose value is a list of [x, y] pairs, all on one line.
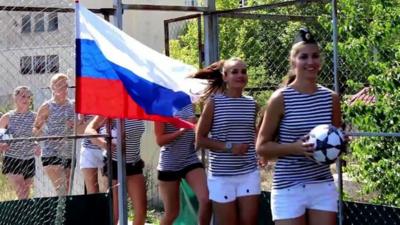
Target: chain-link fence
{"points": [[368, 74], [37, 41], [37, 45]]}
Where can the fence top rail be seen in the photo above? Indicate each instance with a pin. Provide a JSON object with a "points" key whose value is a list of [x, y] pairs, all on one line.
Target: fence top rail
{"points": [[42, 138], [269, 17], [105, 11], [165, 7], [188, 17], [373, 134], [269, 6]]}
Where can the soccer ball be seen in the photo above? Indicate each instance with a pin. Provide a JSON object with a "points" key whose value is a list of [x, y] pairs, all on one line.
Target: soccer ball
{"points": [[328, 143], [5, 134]]}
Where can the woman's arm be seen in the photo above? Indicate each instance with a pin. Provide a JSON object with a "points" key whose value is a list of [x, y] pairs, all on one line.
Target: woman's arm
{"points": [[93, 126], [266, 145], [82, 123], [203, 128], [41, 118], [163, 138], [4, 121]]}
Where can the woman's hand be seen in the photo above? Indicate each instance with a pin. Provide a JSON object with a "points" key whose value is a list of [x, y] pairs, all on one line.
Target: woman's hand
{"points": [[113, 145], [300, 147], [262, 162], [69, 124], [240, 149], [37, 150], [3, 147]]}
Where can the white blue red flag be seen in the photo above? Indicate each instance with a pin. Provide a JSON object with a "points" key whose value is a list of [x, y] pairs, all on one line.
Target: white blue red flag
{"points": [[118, 77]]}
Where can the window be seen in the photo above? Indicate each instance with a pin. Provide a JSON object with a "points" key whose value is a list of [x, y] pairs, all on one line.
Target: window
{"points": [[39, 22], [25, 65], [242, 3], [52, 24], [26, 24], [52, 64], [191, 2], [39, 64]]}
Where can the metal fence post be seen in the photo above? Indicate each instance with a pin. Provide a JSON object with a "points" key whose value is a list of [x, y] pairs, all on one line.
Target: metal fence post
{"points": [[210, 35], [122, 189]]}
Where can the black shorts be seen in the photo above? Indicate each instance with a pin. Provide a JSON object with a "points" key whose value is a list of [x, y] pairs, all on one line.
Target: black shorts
{"points": [[177, 175], [130, 168], [19, 167], [54, 160]]}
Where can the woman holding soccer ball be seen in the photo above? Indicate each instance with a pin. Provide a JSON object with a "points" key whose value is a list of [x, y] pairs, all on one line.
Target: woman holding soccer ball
{"points": [[303, 191], [19, 158]]}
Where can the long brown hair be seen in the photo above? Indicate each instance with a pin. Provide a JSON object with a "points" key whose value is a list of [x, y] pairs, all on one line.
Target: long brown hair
{"points": [[213, 73]]}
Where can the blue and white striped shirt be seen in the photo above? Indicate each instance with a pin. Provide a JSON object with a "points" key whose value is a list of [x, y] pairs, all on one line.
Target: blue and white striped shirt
{"points": [[87, 143], [56, 125], [134, 130], [20, 126], [180, 153], [302, 113], [234, 121]]}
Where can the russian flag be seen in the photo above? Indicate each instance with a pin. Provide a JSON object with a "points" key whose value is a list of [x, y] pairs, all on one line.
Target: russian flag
{"points": [[118, 77]]}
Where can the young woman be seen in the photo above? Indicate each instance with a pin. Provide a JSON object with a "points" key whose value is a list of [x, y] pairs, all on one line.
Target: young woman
{"points": [[56, 116], [230, 117], [303, 191], [178, 159], [19, 159], [91, 159], [135, 181]]}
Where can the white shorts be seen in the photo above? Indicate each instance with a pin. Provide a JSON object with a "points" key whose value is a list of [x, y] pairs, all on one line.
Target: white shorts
{"points": [[225, 189], [91, 158], [290, 203]]}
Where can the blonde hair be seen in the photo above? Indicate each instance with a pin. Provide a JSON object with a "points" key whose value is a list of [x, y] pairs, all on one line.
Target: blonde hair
{"points": [[20, 89], [291, 76], [56, 78]]}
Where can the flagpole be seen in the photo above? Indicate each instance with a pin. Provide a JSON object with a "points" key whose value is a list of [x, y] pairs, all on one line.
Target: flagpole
{"points": [[122, 188], [77, 49]]}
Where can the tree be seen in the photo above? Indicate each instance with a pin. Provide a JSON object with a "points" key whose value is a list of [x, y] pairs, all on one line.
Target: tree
{"points": [[262, 44], [370, 49], [369, 54]]}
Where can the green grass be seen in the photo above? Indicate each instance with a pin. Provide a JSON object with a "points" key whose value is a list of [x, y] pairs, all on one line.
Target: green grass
{"points": [[7, 192]]}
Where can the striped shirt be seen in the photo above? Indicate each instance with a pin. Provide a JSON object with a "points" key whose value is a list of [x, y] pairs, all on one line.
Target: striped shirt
{"points": [[56, 125], [20, 126], [179, 153], [302, 112], [234, 121], [87, 143], [134, 130]]}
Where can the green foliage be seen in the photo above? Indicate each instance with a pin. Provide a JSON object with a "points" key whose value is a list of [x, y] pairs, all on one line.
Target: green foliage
{"points": [[369, 47], [376, 161], [263, 44], [369, 55]]}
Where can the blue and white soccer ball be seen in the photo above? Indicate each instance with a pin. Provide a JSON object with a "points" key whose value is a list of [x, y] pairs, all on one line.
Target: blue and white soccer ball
{"points": [[329, 143], [4, 134]]}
